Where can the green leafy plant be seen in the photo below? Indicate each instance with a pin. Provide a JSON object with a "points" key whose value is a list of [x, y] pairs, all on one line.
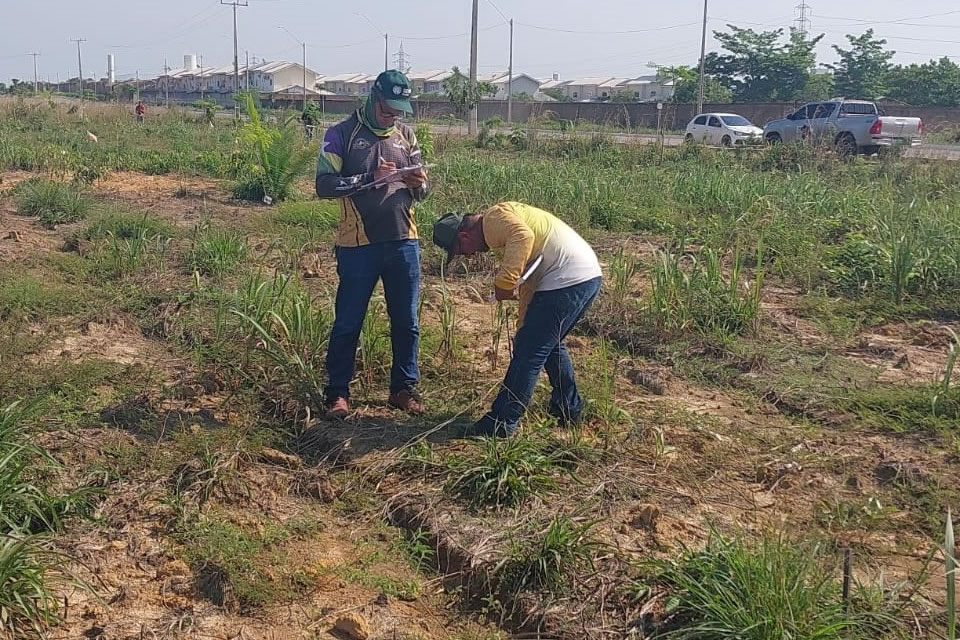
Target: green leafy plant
{"points": [[502, 473], [278, 158], [424, 135], [28, 604], [950, 552], [53, 203], [695, 295], [773, 590], [623, 268], [216, 251], [549, 559], [294, 332], [943, 386]]}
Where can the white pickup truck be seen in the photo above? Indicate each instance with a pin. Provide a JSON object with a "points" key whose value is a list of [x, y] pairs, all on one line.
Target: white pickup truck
{"points": [[852, 126]]}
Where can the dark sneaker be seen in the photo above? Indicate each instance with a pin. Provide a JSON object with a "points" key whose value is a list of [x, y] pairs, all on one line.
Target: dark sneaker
{"points": [[406, 401], [338, 409], [488, 428]]}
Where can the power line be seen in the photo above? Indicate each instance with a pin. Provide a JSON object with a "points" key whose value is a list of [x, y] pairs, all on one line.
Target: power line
{"points": [[628, 31], [899, 21]]}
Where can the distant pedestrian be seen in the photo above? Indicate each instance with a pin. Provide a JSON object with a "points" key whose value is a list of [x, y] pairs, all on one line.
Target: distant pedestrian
{"points": [[377, 237], [141, 111], [556, 277]]}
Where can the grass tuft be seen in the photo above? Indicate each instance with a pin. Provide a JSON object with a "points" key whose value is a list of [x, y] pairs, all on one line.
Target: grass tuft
{"points": [[502, 473], [773, 590], [216, 252], [53, 203]]}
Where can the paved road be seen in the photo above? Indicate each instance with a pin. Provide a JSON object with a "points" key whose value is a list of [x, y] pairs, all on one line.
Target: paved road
{"points": [[929, 151]]}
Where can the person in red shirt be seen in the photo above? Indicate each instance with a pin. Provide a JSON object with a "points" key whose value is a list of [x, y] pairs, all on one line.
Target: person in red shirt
{"points": [[141, 111]]}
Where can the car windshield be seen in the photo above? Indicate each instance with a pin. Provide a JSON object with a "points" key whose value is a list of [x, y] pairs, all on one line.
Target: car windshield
{"points": [[736, 121]]}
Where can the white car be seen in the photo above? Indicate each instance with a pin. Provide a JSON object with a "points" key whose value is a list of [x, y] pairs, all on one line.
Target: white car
{"points": [[724, 129]]}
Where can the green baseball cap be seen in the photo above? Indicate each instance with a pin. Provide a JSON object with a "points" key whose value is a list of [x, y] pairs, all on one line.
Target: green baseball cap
{"points": [[394, 88], [445, 232]]}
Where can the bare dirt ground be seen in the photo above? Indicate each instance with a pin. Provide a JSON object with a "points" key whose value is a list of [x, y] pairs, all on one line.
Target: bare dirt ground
{"points": [[688, 457]]}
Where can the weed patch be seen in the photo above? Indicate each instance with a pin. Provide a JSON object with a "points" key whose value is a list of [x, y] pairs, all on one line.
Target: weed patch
{"points": [[776, 589], [52, 203], [216, 252]]}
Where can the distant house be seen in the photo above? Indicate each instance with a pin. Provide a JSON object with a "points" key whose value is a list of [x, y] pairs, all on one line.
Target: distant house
{"points": [[349, 84], [428, 81], [649, 88], [522, 84], [610, 88], [584, 89], [270, 77]]}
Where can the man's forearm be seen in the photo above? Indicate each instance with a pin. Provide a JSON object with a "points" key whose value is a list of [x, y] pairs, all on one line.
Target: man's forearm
{"points": [[331, 185]]}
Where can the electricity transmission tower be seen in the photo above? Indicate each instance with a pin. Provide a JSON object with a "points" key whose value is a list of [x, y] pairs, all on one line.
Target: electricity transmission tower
{"points": [[402, 60], [802, 21]]}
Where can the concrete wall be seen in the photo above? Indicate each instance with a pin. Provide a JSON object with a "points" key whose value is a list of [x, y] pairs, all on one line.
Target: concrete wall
{"points": [[626, 115]]}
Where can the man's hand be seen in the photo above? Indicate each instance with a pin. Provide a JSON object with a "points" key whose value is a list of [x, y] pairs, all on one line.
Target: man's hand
{"points": [[416, 179], [505, 294], [384, 169]]}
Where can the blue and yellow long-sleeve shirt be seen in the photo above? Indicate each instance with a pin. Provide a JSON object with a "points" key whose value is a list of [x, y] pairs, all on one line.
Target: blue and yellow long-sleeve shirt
{"points": [[349, 157]]}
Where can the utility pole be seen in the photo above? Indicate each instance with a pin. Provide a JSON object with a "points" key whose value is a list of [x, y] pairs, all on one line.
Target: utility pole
{"points": [[303, 45], [138, 85], [472, 124], [510, 79], [703, 60], [236, 52], [80, 69], [36, 81], [246, 71], [201, 80], [386, 51], [166, 82]]}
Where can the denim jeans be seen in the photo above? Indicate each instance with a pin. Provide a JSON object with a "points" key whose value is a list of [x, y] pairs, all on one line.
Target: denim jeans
{"points": [[539, 345], [398, 265]]}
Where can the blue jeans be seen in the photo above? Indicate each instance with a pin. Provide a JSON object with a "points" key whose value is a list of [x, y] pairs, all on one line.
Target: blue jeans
{"points": [[539, 345], [398, 265]]}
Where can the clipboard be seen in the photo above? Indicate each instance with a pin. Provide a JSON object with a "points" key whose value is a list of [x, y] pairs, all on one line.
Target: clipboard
{"points": [[395, 176]]}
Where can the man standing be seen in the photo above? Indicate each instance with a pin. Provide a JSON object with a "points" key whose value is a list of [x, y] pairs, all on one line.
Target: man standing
{"points": [[377, 236], [553, 298], [141, 111]]}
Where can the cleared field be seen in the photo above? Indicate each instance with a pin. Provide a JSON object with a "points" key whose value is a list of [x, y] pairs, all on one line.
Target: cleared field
{"points": [[768, 370]]}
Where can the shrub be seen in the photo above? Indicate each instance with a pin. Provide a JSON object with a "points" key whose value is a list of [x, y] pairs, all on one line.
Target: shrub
{"points": [[53, 203], [278, 158]]}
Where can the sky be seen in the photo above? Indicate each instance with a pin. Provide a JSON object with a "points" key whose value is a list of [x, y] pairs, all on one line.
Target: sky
{"points": [[571, 37]]}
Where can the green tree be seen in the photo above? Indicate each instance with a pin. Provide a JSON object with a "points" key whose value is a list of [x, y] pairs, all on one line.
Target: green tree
{"points": [[933, 83], [759, 66], [556, 93], [862, 70], [820, 86], [686, 86], [464, 94], [19, 88]]}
